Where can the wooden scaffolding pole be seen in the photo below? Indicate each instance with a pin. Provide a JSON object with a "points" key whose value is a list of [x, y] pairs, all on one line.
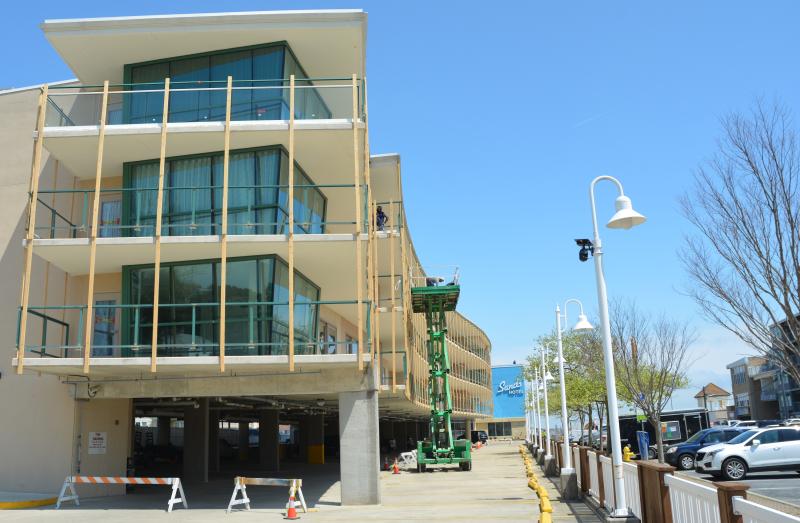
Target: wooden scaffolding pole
{"points": [[34, 195], [393, 295], [359, 261], [162, 160], [376, 321], [291, 223], [223, 258], [89, 319]]}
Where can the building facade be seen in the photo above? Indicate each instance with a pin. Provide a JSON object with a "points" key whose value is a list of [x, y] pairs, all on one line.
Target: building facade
{"points": [[508, 417], [753, 388], [201, 249], [715, 401]]}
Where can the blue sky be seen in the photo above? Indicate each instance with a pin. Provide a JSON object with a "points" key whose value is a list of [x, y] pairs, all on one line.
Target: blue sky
{"points": [[504, 112]]}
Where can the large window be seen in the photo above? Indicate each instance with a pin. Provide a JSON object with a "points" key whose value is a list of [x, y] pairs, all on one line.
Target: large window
{"points": [[192, 199], [188, 314], [260, 76], [500, 429]]}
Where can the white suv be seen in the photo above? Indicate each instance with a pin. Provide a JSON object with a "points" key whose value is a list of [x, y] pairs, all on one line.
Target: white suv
{"points": [[773, 448]]}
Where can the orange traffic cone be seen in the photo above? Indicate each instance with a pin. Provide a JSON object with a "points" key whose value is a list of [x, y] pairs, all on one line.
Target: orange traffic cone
{"points": [[395, 467], [291, 511]]}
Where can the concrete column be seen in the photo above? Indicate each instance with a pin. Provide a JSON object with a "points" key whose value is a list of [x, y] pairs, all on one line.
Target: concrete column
{"points": [[213, 440], [244, 440], [314, 427], [162, 439], [195, 442], [360, 451], [268, 440]]}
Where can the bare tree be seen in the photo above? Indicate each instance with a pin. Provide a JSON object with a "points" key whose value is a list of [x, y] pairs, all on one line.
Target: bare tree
{"points": [[651, 359], [745, 261]]}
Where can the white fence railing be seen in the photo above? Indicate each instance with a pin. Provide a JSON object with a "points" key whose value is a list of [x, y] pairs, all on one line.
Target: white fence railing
{"points": [[608, 483], [630, 474], [755, 513], [594, 480], [576, 462], [692, 502]]}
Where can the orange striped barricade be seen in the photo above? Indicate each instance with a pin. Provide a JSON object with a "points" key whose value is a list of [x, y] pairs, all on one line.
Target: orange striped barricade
{"points": [[71, 481], [240, 485]]}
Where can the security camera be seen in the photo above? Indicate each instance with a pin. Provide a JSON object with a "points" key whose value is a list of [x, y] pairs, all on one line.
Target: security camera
{"points": [[587, 248]]}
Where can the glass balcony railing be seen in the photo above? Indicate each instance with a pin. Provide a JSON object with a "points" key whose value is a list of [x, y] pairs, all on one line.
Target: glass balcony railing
{"points": [[187, 212], [204, 101], [184, 329]]}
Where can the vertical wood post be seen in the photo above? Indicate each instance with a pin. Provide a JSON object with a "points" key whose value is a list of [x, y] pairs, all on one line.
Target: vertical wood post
{"points": [[725, 493], [656, 506], [358, 227], [34, 195], [162, 162], [394, 304], [89, 319], [223, 261], [291, 223]]}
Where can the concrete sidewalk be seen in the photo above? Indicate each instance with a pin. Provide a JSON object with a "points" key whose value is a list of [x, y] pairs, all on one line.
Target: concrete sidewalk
{"points": [[495, 490]]}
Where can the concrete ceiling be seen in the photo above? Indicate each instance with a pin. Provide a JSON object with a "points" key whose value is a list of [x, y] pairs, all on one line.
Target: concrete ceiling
{"points": [[328, 43]]}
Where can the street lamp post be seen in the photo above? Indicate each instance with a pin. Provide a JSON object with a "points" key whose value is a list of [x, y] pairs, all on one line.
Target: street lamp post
{"points": [[624, 218], [545, 376], [582, 325], [538, 419]]}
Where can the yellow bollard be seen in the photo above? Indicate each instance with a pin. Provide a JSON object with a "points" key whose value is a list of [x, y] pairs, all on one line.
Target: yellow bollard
{"points": [[545, 518], [545, 506]]}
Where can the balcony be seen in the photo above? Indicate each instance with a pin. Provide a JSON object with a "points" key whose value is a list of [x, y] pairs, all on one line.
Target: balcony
{"points": [[188, 334], [203, 102]]}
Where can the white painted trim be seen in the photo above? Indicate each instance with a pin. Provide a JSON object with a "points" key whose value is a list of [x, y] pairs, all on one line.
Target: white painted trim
{"points": [[194, 19]]}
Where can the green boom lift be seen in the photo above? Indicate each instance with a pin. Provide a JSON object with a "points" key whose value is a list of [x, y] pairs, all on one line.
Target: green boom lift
{"points": [[439, 448]]}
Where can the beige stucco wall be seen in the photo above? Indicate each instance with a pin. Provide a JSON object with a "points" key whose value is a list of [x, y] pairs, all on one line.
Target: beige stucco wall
{"points": [[37, 411], [112, 417]]}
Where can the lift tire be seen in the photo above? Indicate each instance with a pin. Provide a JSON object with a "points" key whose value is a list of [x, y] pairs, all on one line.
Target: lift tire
{"points": [[421, 467], [465, 465]]}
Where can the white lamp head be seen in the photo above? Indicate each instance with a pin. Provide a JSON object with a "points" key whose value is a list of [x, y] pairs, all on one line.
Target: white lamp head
{"points": [[583, 324], [548, 376], [625, 217]]}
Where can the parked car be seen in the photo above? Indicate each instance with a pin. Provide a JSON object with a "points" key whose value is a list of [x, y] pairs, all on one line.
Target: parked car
{"points": [[748, 423], [682, 454], [791, 421], [772, 448]]}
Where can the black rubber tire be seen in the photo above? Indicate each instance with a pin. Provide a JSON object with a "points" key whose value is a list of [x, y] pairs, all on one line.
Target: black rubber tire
{"points": [[466, 466], [689, 465], [734, 464], [421, 467]]}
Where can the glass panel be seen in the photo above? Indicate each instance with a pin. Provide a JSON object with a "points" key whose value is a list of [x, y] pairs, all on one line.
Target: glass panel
{"points": [[192, 285], [280, 313], [147, 107], [241, 196], [110, 214], [142, 203], [189, 106], [189, 197], [268, 65], [239, 65], [267, 197], [105, 328], [242, 285]]}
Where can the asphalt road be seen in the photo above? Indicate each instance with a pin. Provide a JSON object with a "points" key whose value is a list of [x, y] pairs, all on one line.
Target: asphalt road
{"points": [[784, 486]]}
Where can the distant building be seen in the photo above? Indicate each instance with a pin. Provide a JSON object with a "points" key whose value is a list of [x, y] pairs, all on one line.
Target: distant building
{"points": [[754, 391], [508, 391], [715, 400]]}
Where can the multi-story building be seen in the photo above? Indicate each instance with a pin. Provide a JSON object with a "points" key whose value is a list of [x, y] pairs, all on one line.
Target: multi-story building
{"points": [[205, 243], [753, 389]]}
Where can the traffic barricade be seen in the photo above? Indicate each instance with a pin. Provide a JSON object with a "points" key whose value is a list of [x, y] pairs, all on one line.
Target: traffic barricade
{"points": [[240, 485], [71, 481]]}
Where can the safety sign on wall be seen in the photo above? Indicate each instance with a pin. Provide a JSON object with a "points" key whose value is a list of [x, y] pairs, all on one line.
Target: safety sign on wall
{"points": [[97, 442]]}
